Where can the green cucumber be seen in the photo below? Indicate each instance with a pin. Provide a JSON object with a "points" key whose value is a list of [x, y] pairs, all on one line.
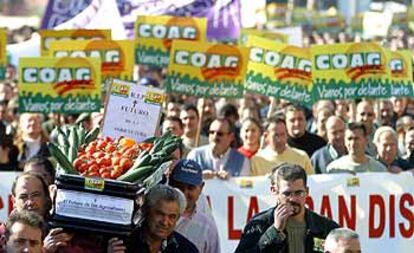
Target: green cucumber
{"points": [[136, 174], [61, 159]]}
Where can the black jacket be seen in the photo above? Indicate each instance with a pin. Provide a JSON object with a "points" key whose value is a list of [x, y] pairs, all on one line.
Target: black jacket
{"points": [[260, 235]]}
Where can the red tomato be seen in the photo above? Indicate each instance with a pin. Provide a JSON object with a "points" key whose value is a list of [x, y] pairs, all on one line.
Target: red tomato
{"points": [[93, 168], [93, 174], [108, 139], [125, 163], [106, 175], [83, 168], [115, 160], [98, 154], [101, 145], [115, 174], [103, 170], [77, 163], [90, 149], [110, 148]]}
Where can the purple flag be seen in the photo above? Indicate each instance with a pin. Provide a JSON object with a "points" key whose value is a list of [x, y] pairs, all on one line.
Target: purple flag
{"points": [[59, 11]]}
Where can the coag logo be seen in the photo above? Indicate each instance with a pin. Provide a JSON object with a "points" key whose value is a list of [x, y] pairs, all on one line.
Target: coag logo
{"points": [[217, 63], [176, 28], [360, 60], [110, 53], [286, 64], [398, 65], [64, 77]]}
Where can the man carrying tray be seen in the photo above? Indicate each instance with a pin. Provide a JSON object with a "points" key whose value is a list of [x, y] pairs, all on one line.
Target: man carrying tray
{"points": [[162, 208]]}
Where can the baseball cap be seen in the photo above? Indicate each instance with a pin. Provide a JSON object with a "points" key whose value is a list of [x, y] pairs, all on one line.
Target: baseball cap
{"points": [[188, 172]]}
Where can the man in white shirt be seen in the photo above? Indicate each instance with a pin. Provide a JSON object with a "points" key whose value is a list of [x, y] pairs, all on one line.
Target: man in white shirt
{"points": [[194, 224]]}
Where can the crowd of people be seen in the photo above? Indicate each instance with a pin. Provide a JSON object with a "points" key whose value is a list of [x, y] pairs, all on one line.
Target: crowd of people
{"points": [[222, 138]]}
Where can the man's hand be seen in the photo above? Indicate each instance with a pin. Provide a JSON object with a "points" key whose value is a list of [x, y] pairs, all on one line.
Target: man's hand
{"points": [[55, 239], [222, 174], [116, 245], [208, 174], [281, 215]]}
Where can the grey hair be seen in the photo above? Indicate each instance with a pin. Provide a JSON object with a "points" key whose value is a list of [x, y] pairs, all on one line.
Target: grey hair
{"points": [[382, 130], [164, 193], [342, 233]]}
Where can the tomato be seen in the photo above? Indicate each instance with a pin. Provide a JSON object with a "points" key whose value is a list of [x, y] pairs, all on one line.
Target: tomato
{"points": [[127, 142], [83, 168], [77, 163], [125, 163], [123, 150], [145, 146], [103, 170], [130, 152], [101, 145], [106, 175], [110, 147], [93, 174], [115, 174], [90, 149], [98, 154], [108, 139], [93, 168], [115, 160]]}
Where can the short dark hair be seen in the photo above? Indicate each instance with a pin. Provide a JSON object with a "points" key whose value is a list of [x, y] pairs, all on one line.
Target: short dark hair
{"points": [[42, 161], [357, 126], [274, 120], [288, 172], [175, 119], [29, 218], [190, 107], [226, 120], [228, 110], [295, 108]]}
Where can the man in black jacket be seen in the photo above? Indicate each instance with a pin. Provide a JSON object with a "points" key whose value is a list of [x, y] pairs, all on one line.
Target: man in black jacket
{"points": [[289, 226]]}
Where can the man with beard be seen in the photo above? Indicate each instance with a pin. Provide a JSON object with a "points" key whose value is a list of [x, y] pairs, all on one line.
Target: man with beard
{"points": [[218, 158], [289, 226]]}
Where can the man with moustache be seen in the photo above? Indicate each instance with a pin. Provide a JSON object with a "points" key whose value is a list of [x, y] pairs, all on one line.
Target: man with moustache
{"points": [[218, 158], [288, 227]]}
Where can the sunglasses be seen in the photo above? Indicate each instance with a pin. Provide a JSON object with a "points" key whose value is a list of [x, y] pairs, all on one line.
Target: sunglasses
{"points": [[218, 133], [298, 193]]}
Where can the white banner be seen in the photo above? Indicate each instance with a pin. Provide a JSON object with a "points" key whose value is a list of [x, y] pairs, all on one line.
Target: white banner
{"points": [[379, 206]]}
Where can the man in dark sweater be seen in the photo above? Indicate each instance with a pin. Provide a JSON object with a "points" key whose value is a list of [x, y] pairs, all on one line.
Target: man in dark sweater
{"points": [[289, 226], [335, 131], [298, 136]]}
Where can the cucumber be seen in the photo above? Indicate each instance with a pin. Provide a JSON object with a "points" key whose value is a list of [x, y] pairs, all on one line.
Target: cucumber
{"points": [[144, 160], [61, 159], [137, 174], [150, 140], [92, 135], [81, 135]]}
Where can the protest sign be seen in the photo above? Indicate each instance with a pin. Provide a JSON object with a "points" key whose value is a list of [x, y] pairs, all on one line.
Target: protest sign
{"points": [[132, 110], [59, 11], [350, 71], [271, 35], [154, 35], [378, 206], [64, 35], [400, 65], [62, 85], [116, 56], [3, 55], [323, 22], [207, 70], [279, 70], [376, 24]]}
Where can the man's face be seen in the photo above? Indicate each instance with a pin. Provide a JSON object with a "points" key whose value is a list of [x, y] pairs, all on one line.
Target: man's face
{"points": [[355, 142], [173, 109], [220, 136], [173, 126], [409, 141], [30, 195], [343, 246], [31, 124], [292, 193], [276, 136], [387, 147], [335, 131], [365, 114], [190, 121], [191, 192], [161, 219], [24, 239], [387, 113], [295, 123]]}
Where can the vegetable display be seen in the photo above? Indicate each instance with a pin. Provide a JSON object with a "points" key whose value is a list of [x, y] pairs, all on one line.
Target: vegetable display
{"points": [[79, 152]]}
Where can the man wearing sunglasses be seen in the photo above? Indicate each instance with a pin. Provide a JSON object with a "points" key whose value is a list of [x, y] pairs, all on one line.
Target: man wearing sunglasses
{"points": [[342, 240], [289, 227], [218, 158]]}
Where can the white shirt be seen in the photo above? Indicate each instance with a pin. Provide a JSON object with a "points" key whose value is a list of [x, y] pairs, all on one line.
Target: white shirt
{"points": [[200, 230]]}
